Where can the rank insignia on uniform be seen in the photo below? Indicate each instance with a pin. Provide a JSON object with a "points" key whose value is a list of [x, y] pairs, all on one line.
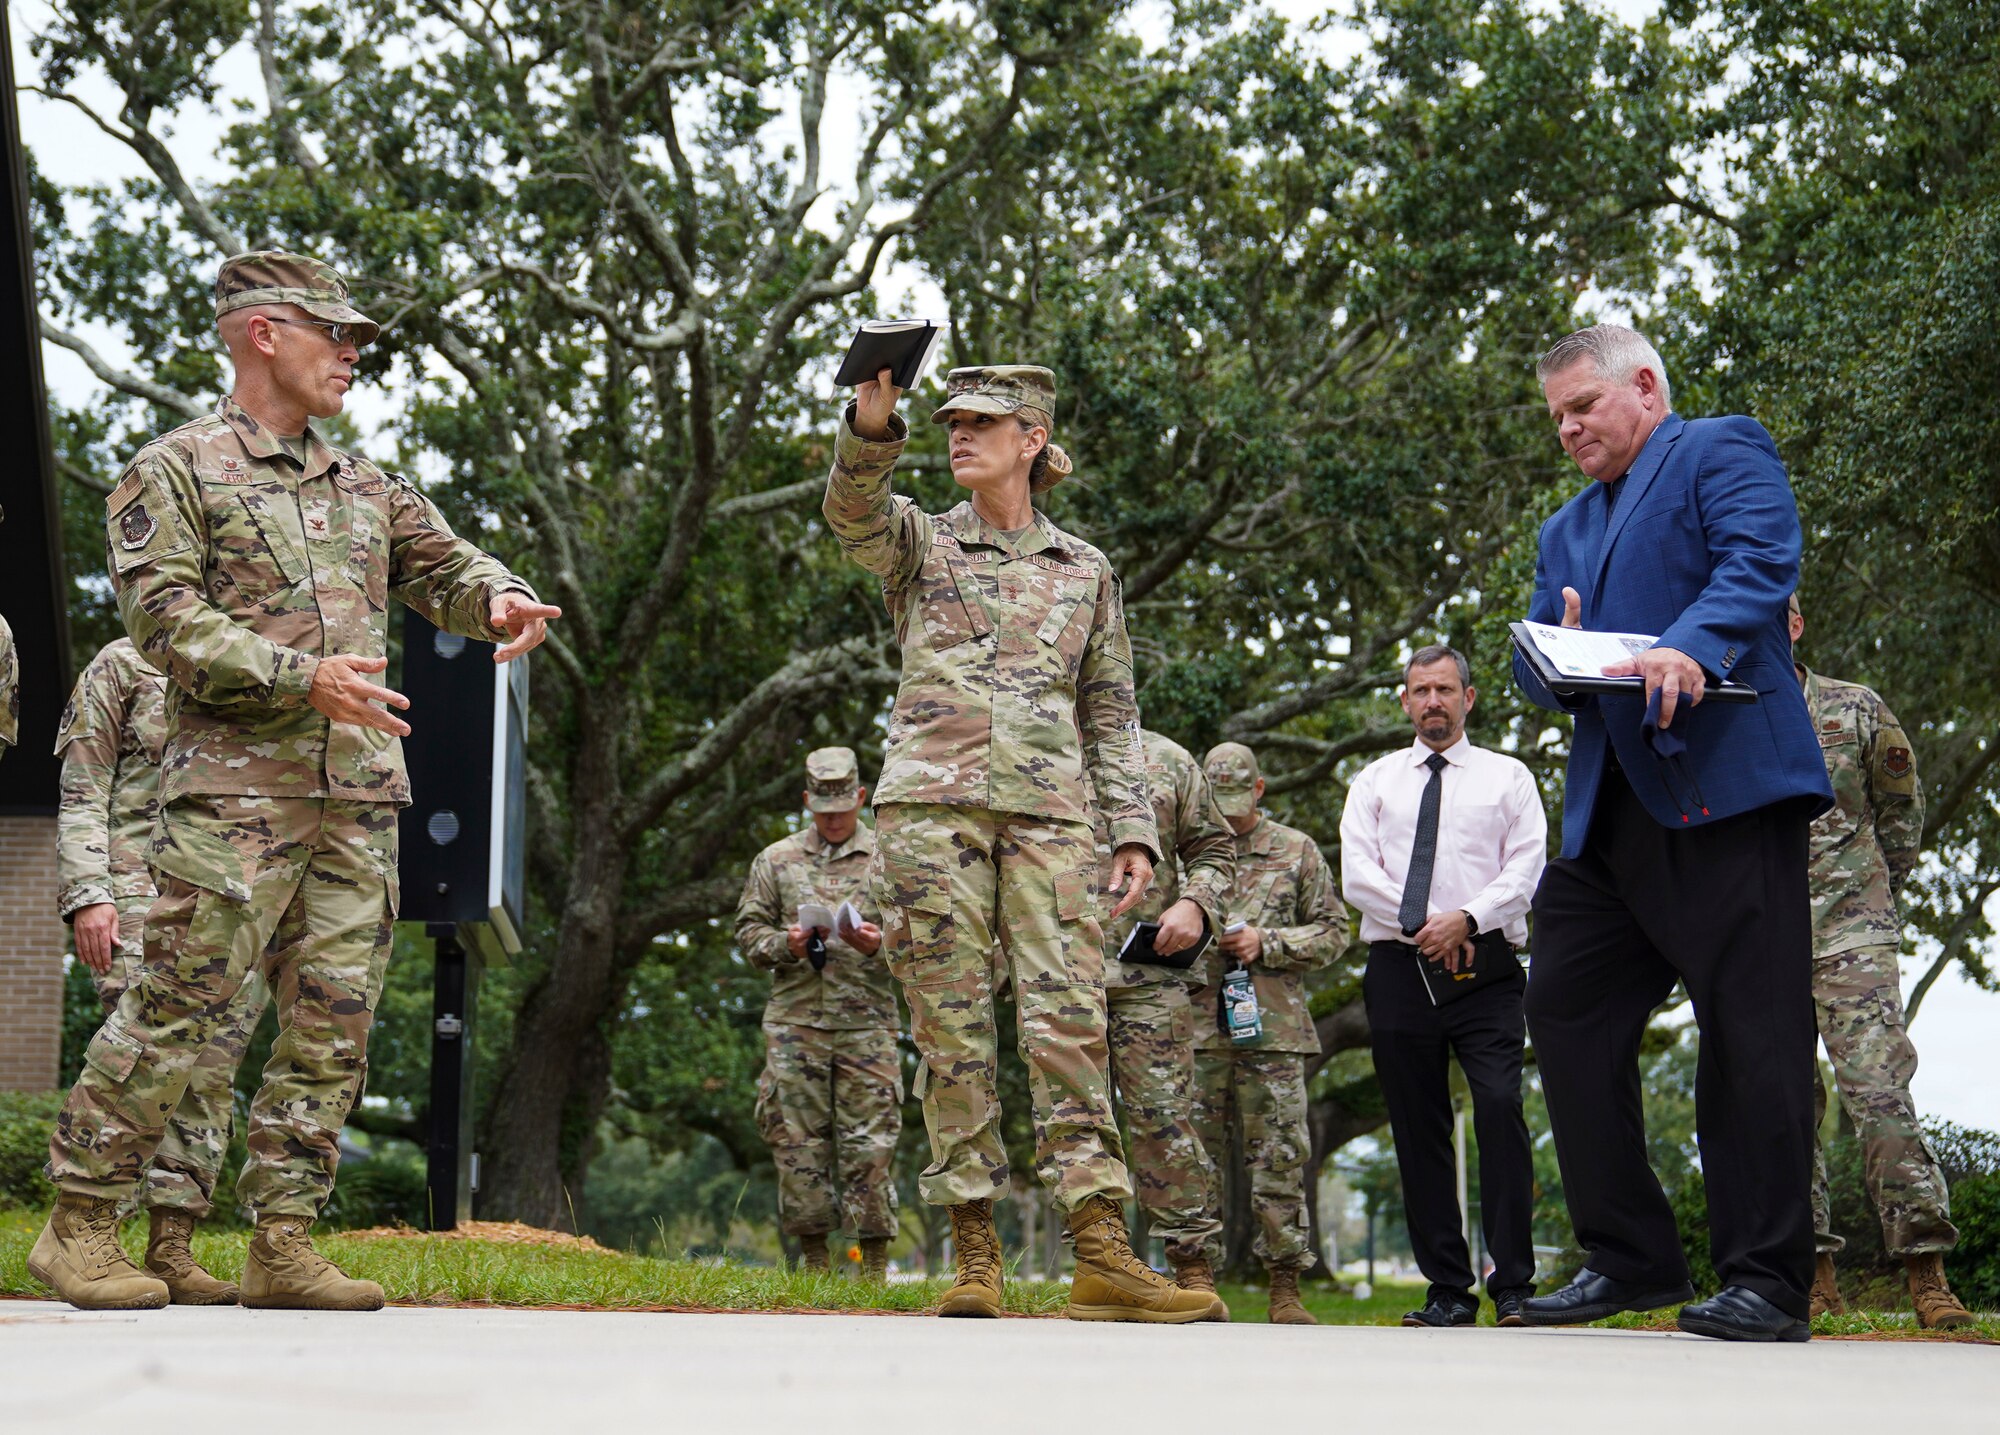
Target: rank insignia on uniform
{"points": [[1830, 725], [136, 526], [1896, 762], [232, 464]]}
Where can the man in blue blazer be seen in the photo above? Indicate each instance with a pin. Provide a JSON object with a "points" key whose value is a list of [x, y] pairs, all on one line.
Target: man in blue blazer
{"points": [[1685, 867]]}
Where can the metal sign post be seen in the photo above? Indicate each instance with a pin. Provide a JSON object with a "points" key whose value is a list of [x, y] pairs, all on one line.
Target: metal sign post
{"points": [[451, 1165]]}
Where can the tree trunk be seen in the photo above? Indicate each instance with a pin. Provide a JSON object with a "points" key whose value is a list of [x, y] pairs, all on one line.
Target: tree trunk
{"points": [[546, 1081]]}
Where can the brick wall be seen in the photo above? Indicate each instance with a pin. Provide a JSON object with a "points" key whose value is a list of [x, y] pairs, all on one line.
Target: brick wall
{"points": [[32, 941]]}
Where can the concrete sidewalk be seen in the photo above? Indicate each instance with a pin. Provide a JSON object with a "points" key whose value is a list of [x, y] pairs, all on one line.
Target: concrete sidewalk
{"points": [[501, 1370]]}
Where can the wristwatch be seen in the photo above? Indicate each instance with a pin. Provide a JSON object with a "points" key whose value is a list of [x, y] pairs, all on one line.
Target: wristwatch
{"points": [[1471, 924]]}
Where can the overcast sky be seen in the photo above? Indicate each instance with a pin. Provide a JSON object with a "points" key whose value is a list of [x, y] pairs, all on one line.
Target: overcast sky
{"points": [[1958, 1022]]}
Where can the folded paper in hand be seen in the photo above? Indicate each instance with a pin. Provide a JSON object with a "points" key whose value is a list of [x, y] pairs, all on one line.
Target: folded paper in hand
{"points": [[905, 347], [842, 922]]}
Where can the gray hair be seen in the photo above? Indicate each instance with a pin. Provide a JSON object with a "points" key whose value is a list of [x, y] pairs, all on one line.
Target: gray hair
{"points": [[1437, 653], [1615, 352]]}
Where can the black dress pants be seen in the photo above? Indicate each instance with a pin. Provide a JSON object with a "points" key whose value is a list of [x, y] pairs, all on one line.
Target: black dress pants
{"points": [[1724, 908], [1413, 1043]]}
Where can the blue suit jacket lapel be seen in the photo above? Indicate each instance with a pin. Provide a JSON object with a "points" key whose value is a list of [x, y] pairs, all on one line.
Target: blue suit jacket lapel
{"points": [[1637, 481]]}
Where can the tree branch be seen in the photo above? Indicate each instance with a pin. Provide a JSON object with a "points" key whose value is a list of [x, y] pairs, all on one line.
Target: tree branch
{"points": [[126, 383]]}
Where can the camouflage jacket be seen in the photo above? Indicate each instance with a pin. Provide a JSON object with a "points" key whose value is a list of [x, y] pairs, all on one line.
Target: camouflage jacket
{"points": [[1198, 860], [1285, 889], [1867, 843], [10, 689], [112, 733], [237, 571], [1017, 674], [853, 991]]}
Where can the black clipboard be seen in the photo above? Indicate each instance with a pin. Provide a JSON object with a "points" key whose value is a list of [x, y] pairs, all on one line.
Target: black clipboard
{"points": [[1565, 686]]}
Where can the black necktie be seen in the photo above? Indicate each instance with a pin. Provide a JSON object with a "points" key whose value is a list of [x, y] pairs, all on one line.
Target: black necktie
{"points": [[1423, 854]]}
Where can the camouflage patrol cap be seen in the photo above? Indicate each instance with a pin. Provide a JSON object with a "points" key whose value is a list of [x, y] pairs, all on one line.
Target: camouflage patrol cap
{"points": [[833, 780], [1028, 390], [1232, 775], [272, 276], [1000, 389]]}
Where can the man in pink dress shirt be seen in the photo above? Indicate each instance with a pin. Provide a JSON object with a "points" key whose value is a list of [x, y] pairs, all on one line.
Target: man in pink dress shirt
{"points": [[1441, 845]]}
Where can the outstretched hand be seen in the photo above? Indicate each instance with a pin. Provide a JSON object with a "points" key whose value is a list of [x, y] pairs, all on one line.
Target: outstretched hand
{"points": [[524, 621], [874, 405]]}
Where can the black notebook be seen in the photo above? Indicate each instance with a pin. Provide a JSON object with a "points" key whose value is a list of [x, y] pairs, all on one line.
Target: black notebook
{"points": [[1528, 643], [905, 347], [1493, 964], [1138, 948]]}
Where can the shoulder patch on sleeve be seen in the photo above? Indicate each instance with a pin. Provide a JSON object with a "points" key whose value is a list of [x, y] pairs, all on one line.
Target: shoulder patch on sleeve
{"points": [[139, 527]]}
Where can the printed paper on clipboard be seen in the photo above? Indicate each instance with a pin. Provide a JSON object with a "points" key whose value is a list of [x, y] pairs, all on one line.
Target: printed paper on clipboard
{"points": [[1571, 662]]}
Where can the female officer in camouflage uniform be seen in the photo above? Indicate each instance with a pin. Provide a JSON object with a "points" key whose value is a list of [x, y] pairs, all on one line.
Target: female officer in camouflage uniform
{"points": [[1016, 675]]}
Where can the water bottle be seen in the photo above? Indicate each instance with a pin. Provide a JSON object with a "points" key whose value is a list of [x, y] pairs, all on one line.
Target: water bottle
{"points": [[1240, 1017]]}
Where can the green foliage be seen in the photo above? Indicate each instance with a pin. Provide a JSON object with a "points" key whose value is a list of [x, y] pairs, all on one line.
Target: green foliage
{"points": [[82, 1014], [386, 1189], [26, 1117], [1974, 1266]]}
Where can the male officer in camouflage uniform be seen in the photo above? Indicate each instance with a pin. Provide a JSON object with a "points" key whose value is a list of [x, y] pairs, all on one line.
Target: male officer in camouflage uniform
{"points": [[1016, 676], [1152, 1022], [1862, 852], [254, 564], [1295, 924], [113, 733], [830, 1100]]}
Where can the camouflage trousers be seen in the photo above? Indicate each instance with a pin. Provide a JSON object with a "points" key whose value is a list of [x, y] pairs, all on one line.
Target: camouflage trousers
{"points": [[1152, 1064], [189, 1159], [954, 880], [829, 1105], [304, 888], [1262, 1095], [1859, 998]]}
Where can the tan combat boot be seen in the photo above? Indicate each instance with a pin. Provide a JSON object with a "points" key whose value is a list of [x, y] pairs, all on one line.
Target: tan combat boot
{"points": [[1826, 1297], [1193, 1273], [812, 1253], [169, 1257], [874, 1258], [1937, 1307], [78, 1257], [1113, 1284], [284, 1272], [1286, 1308], [976, 1243]]}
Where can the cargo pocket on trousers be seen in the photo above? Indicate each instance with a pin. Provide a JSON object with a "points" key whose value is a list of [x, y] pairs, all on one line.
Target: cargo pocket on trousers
{"points": [[919, 893], [112, 1054]]}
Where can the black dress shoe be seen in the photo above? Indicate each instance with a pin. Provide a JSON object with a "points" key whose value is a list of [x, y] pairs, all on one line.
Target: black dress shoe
{"points": [[1739, 1313], [1441, 1311], [1507, 1308], [1590, 1296]]}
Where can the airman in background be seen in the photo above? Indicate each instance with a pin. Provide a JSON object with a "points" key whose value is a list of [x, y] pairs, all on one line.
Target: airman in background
{"points": [[1863, 850], [830, 1102]]}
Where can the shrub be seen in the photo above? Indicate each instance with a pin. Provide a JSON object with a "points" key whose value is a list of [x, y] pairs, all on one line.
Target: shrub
{"points": [[1974, 1267], [386, 1189], [25, 1121]]}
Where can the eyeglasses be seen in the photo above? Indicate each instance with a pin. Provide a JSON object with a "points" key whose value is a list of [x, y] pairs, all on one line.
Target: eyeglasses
{"points": [[341, 334]]}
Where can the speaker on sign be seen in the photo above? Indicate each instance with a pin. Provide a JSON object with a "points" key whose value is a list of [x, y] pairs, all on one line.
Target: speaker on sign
{"points": [[463, 836]]}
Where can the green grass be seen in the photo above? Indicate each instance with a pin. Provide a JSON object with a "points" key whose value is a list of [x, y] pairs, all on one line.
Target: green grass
{"points": [[421, 1270]]}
